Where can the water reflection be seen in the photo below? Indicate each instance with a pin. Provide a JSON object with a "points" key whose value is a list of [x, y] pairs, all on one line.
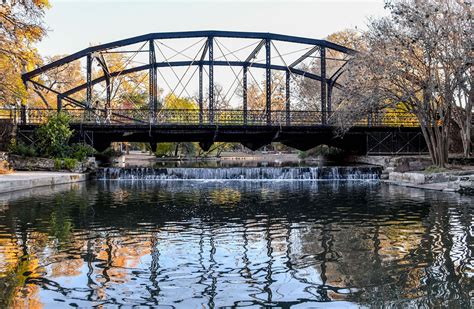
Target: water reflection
{"points": [[188, 244]]}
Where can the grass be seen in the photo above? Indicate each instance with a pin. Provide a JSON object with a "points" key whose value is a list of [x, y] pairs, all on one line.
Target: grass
{"points": [[435, 169]]}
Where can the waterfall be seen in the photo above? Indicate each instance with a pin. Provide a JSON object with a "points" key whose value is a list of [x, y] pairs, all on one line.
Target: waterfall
{"points": [[243, 173]]}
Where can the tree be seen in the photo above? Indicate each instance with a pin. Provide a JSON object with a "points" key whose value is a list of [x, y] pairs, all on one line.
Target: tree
{"points": [[59, 79], [256, 93], [415, 58], [53, 136], [20, 27], [308, 90]]}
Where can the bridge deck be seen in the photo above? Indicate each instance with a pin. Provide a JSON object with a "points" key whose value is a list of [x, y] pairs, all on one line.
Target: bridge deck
{"points": [[372, 134]]}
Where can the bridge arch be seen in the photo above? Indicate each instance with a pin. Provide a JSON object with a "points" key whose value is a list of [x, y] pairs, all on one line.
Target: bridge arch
{"points": [[264, 44]]}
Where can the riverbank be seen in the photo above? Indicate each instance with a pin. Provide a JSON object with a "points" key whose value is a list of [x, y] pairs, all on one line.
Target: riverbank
{"points": [[27, 180], [461, 181]]}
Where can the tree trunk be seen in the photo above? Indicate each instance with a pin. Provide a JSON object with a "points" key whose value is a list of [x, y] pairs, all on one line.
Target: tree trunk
{"points": [[176, 149]]}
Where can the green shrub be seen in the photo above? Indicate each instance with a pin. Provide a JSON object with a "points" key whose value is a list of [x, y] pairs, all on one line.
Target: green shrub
{"points": [[81, 151], [58, 164], [69, 163], [53, 136], [165, 149], [434, 169], [23, 150]]}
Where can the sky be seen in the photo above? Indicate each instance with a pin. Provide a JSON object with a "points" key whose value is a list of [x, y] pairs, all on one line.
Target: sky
{"points": [[75, 24]]}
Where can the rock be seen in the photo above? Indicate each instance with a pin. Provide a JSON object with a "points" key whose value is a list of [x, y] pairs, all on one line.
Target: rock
{"points": [[20, 163], [415, 178], [467, 187]]}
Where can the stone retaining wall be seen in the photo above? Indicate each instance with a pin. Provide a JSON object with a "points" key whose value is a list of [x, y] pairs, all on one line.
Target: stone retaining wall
{"points": [[27, 180]]}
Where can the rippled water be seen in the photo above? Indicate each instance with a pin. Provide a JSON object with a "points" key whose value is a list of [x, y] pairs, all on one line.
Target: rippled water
{"points": [[195, 244]]}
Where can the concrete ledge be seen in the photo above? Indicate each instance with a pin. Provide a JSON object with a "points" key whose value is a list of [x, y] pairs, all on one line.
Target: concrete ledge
{"points": [[26, 180], [414, 178], [456, 181]]}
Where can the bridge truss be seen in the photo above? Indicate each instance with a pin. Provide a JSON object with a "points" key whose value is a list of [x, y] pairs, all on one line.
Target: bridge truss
{"points": [[297, 57], [99, 121]]}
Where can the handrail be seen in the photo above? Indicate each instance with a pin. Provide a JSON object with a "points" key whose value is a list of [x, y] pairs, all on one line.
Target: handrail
{"points": [[104, 117]]}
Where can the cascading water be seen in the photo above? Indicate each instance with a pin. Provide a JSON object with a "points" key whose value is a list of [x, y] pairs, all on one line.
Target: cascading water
{"points": [[243, 173]]}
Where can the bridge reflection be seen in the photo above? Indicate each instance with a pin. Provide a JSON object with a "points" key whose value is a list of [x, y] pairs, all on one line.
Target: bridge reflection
{"points": [[225, 244]]}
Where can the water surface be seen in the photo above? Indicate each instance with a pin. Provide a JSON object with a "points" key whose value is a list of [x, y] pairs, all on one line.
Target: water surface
{"points": [[194, 244]]}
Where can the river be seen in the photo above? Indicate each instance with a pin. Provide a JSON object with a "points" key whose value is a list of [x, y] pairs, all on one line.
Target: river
{"points": [[194, 244]]}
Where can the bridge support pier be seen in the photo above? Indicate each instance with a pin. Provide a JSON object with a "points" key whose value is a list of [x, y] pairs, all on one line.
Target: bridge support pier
{"points": [[206, 145], [153, 146]]}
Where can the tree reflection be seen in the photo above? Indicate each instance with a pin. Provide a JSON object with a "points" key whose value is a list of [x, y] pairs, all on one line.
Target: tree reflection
{"points": [[237, 243]]}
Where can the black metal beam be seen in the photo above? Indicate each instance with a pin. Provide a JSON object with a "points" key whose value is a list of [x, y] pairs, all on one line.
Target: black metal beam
{"points": [[268, 82], [59, 103], [187, 63], [187, 34], [323, 85], [65, 97], [89, 80], [152, 82], [204, 51], [304, 56], [244, 93], [255, 51], [101, 60], [210, 43], [329, 102], [201, 96], [287, 90]]}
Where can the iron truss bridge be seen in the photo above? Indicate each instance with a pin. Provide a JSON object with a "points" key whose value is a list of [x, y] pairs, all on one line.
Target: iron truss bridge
{"points": [[194, 64], [374, 134]]}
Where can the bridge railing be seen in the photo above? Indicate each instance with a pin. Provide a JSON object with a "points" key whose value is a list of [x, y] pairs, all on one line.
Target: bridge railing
{"points": [[217, 117]]}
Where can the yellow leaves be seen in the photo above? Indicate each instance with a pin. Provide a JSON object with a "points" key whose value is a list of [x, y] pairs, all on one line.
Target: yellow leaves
{"points": [[21, 27], [12, 90], [42, 3], [173, 102]]}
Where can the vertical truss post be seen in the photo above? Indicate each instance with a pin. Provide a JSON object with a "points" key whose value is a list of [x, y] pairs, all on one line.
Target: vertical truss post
{"points": [[268, 81], [210, 41], [89, 80], [323, 85], [244, 93], [329, 102], [200, 94], [23, 114], [287, 89], [152, 83], [59, 102]]}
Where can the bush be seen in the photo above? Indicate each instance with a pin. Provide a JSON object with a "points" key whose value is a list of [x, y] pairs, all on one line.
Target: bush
{"points": [[164, 149], [58, 164], [53, 136], [69, 163], [65, 164], [81, 151], [434, 169], [23, 150], [5, 168]]}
